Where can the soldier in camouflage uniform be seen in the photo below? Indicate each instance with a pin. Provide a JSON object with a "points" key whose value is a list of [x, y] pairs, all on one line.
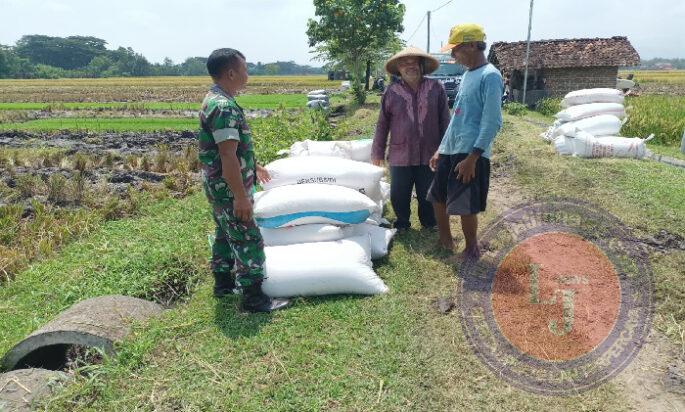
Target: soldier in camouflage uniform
{"points": [[229, 169]]}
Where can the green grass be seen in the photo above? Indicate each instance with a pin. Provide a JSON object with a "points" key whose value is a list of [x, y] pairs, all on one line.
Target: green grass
{"points": [[111, 261], [248, 101]]}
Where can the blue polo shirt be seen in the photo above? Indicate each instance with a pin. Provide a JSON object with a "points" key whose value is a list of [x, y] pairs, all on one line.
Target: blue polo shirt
{"points": [[477, 113]]}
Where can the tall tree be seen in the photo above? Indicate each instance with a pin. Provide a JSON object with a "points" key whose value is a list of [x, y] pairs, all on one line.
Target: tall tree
{"points": [[68, 53], [13, 66], [352, 31]]}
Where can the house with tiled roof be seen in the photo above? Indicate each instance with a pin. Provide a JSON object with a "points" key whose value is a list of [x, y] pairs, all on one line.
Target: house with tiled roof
{"points": [[557, 67]]}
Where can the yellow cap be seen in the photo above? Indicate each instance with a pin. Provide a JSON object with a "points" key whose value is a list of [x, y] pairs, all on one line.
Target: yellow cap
{"points": [[464, 33]]}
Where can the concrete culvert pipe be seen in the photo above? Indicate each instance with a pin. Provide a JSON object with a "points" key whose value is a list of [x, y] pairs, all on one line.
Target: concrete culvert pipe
{"points": [[20, 389], [93, 323]]}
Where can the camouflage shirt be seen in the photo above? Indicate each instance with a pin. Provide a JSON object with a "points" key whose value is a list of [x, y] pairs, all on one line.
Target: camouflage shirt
{"points": [[221, 119]]}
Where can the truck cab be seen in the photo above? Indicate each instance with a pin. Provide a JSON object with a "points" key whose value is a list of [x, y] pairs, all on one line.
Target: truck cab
{"points": [[449, 73]]}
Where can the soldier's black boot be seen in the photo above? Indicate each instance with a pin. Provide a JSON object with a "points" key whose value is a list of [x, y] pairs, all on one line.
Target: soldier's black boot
{"points": [[224, 284], [255, 301]]}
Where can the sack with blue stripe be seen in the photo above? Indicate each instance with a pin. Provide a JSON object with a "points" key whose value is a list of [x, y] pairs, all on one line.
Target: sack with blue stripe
{"points": [[295, 205]]}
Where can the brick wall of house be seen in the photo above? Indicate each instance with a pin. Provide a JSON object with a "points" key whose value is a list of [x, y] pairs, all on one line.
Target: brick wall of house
{"points": [[558, 82]]}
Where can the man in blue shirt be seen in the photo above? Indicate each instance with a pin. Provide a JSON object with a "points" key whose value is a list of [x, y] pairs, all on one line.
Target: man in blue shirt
{"points": [[462, 162]]}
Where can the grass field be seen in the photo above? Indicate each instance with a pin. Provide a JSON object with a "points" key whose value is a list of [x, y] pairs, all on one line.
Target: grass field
{"points": [[662, 115], [248, 101], [145, 89], [657, 76]]}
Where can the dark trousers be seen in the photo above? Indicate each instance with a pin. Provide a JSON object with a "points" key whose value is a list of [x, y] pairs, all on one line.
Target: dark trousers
{"points": [[402, 180]]}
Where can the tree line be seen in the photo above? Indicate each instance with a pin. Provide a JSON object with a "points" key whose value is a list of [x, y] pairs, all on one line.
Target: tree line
{"points": [[46, 57]]}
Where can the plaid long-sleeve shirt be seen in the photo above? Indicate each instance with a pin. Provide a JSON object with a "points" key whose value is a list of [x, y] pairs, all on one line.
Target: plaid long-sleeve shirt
{"points": [[415, 121]]}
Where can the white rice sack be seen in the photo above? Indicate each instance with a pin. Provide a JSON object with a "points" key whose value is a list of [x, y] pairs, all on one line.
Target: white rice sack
{"points": [[602, 125], [363, 177], [584, 111], [332, 149], [616, 146], [360, 150], [317, 97], [324, 268], [587, 96], [317, 92], [563, 145], [380, 238], [624, 84], [377, 219], [298, 149], [385, 191], [549, 134], [317, 104], [304, 234], [296, 205], [588, 146]]}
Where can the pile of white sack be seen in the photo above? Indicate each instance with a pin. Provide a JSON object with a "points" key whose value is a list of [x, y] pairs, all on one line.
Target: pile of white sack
{"points": [[590, 126], [318, 99], [320, 217]]}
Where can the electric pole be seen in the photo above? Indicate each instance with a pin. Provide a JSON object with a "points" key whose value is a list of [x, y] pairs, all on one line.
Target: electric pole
{"points": [[525, 76], [428, 47]]}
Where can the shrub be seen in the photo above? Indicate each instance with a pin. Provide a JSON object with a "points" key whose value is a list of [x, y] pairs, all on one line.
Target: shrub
{"points": [[515, 108], [548, 106]]}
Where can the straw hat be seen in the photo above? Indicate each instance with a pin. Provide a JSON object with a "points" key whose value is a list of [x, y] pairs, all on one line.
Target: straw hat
{"points": [[431, 64]]}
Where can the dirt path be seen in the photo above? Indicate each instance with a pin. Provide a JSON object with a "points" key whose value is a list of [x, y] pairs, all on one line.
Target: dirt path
{"points": [[655, 380]]}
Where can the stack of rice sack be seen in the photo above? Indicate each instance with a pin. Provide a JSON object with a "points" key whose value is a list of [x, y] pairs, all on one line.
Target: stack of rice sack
{"points": [[358, 150], [317, 219], [590, 124], [318, 99]]}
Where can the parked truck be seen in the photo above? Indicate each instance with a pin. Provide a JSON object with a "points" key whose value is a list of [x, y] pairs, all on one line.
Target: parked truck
{"points": [[449, 74]]}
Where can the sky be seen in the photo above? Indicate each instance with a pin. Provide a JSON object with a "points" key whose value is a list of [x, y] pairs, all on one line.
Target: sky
{"points": [[273, 30]]}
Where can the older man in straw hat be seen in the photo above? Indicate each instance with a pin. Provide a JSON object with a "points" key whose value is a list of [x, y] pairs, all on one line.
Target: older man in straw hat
{"points": [[462, 162], [415, 113]]}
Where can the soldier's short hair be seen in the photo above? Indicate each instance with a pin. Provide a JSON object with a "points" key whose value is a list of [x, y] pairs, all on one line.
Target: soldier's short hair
{"points": [[480, 45], [221, 60]]}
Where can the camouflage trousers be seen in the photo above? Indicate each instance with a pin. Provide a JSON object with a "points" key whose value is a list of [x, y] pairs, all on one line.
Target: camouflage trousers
{"points": [[238, 246]]}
